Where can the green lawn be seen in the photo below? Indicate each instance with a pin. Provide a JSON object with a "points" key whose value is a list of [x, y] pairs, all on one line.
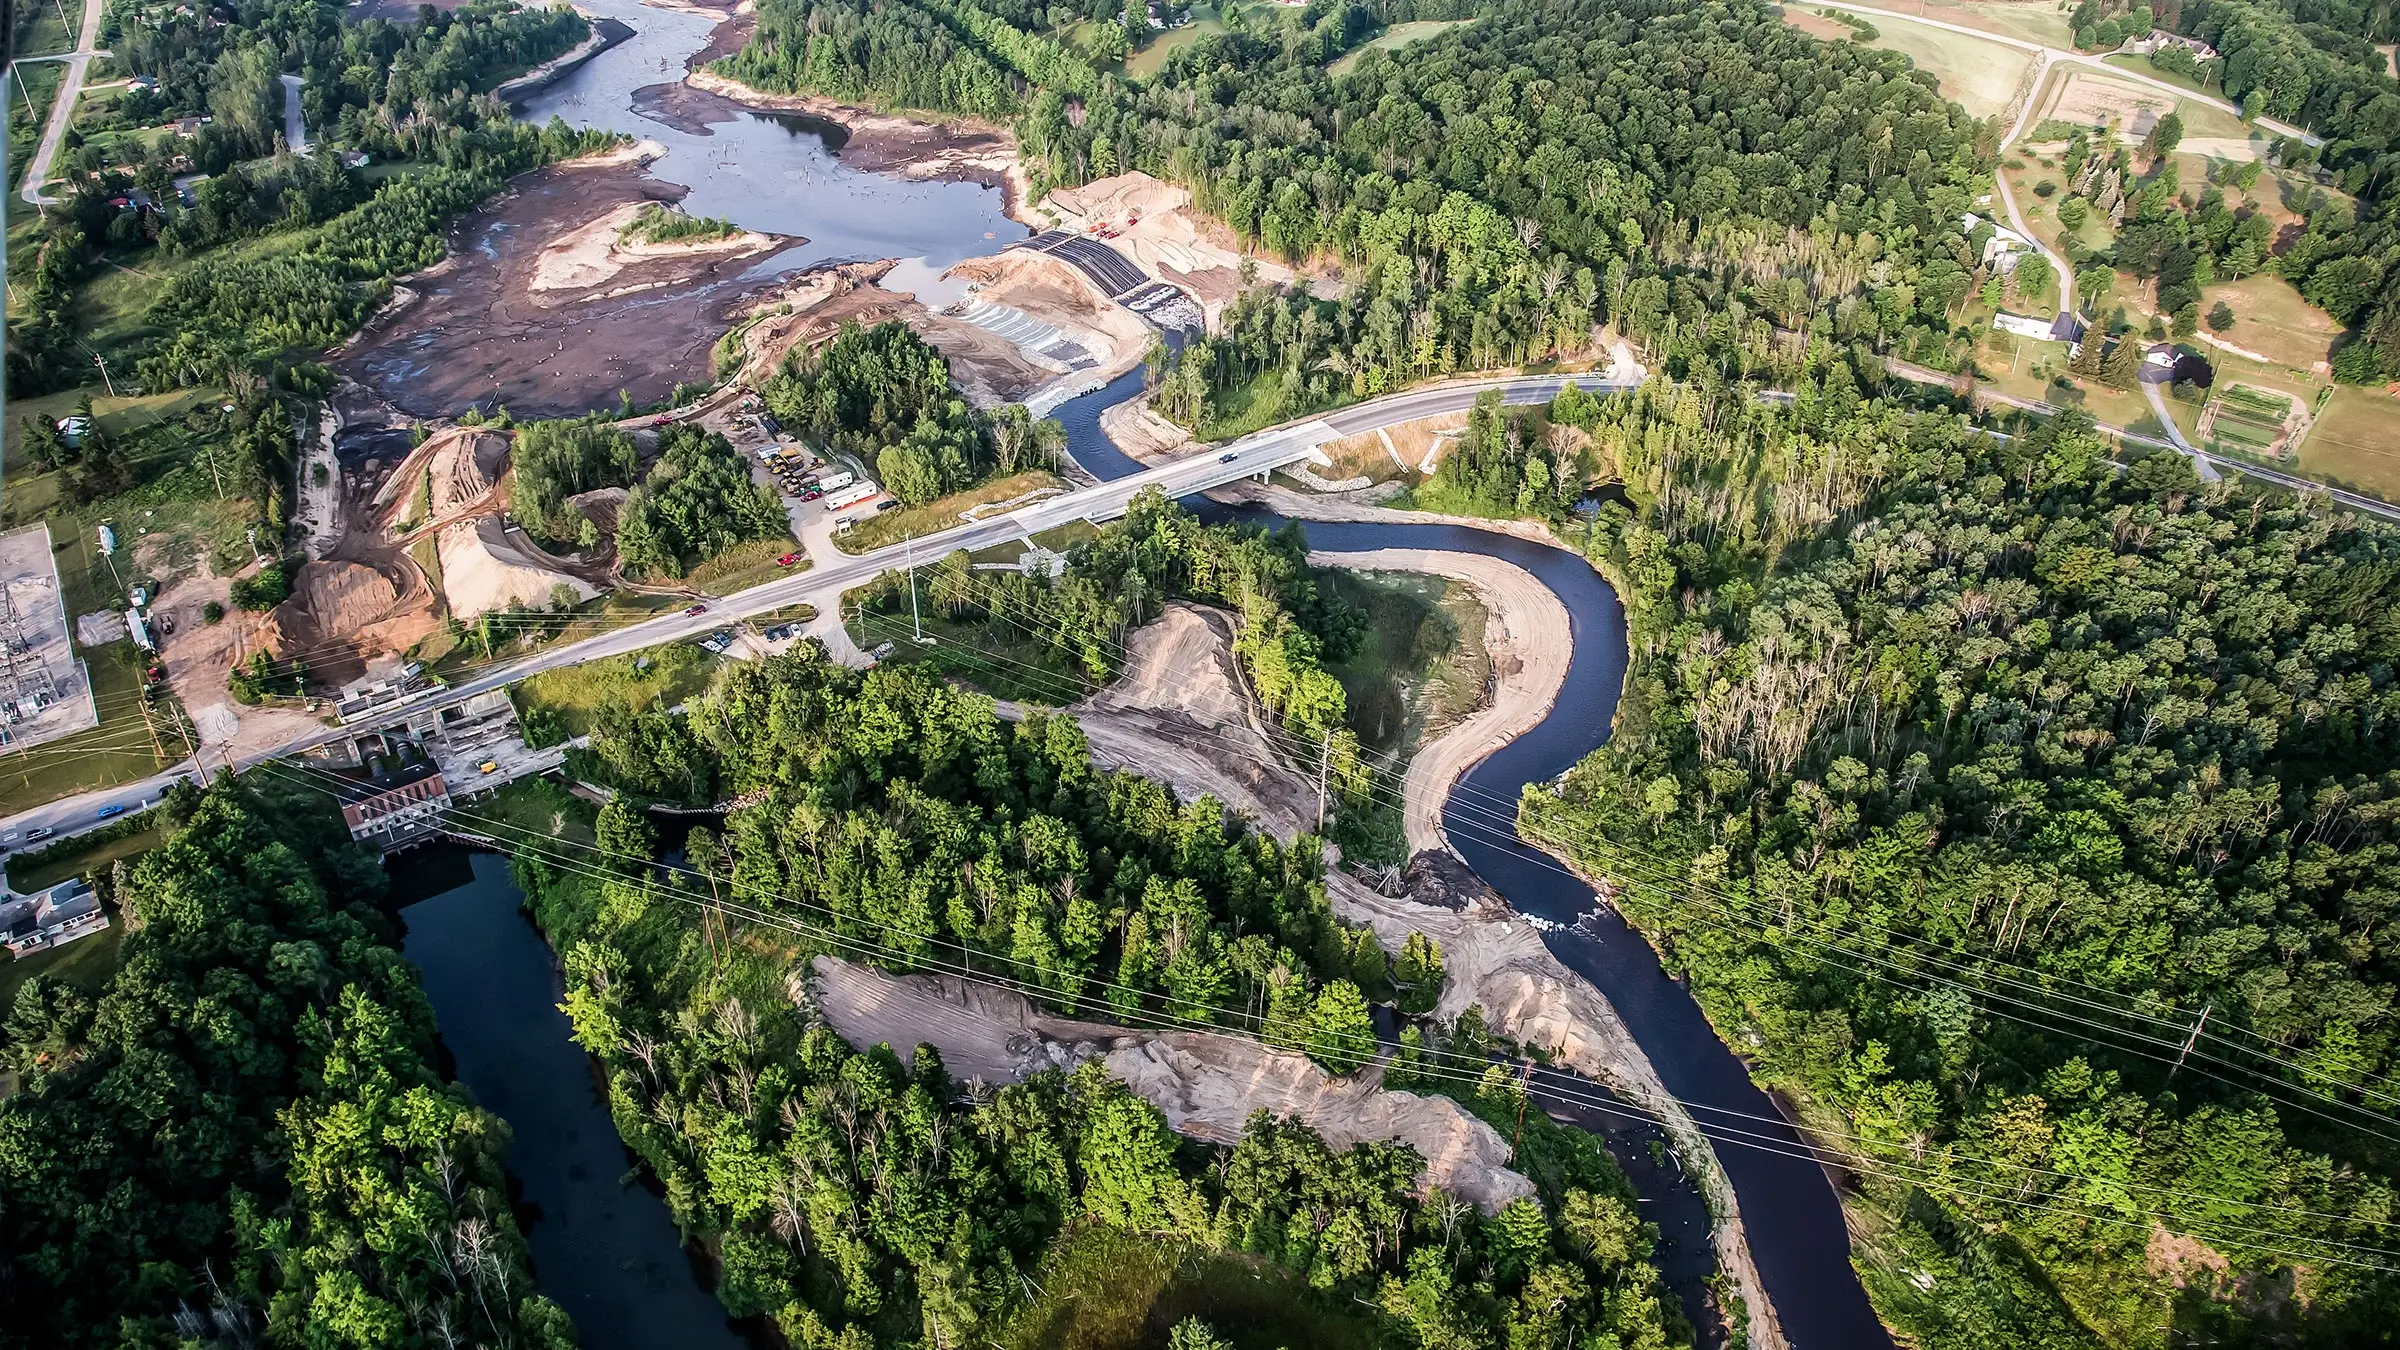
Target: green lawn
{"points": [[1153, 58], [1104, 1289], [890, 527], [31, 90], [1392, 39], [667, 674], [538, 806], [86, 964], [999, 658]]}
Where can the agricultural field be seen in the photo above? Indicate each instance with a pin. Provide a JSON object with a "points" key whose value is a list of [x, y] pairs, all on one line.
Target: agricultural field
{"points": [[2356, 442], [2244, 420], [1982, 77], [2026, 20]]}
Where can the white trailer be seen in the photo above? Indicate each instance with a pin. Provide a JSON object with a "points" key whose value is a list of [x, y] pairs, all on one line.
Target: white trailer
{"points": [[835, 482], [852, 495]]}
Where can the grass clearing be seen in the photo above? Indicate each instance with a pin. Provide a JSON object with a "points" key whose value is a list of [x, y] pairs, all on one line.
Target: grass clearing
{"points": [[2271, 318], [1152, 59], [540, 806], [997, 657], [890, 527], [1391, 39], [666, 675], [33, 87], [2356, 443], [2007, 18], [85, 963], [1104, 1289], [99, 857], [745, 565], [1979, 75]]}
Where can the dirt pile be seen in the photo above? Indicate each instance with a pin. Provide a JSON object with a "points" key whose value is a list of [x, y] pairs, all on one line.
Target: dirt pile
{"points": [[1206, 1084], [1178, 713], [1052, 291], [486, 566], [1494, 958], [343, 613], [466, 471], [1158, 230]]}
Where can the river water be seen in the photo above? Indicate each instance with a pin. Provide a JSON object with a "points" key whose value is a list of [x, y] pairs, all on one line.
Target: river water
{"points": [[772, 172], [607, 1250], [604, 1248]]}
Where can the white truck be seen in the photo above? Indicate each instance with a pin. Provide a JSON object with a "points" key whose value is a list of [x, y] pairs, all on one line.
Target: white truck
{"points": [[852, 495]]}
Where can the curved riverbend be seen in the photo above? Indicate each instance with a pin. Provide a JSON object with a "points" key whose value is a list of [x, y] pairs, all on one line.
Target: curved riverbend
{"points": [[1797, 1235]]}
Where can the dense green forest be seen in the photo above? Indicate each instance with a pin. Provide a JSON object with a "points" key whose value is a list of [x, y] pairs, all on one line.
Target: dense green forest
{"points": [[860, 1201], [1706, 178], [242, 1138], [694, 501], [884, 395], [1963, 776], [416, 92]]}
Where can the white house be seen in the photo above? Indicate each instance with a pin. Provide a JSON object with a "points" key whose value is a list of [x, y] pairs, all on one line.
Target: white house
{"points": [[51, 918]]}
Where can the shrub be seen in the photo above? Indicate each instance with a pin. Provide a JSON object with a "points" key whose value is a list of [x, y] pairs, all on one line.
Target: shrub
{"points": [[212, 612], [271, 587]]}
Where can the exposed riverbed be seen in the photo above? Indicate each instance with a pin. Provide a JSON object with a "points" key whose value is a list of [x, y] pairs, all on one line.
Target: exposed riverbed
{"points": [[479, 330]]}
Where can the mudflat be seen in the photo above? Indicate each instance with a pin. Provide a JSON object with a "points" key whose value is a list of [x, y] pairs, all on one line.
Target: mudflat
{"points": [[480, 331]]}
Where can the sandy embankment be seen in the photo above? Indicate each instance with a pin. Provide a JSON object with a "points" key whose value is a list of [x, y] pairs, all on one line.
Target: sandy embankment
{"points": [[1207, 1084], [486, 566], [595, 253], [1530, 643], [1494, 958]]}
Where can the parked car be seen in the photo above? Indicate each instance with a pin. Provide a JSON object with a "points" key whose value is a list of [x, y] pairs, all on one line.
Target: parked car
{"points": [[696, 609], [111, 810], [787, 560], [810, 495], [887, 504]]}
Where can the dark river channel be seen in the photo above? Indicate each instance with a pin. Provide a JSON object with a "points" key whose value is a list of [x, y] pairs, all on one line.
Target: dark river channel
{"points": [[606, 1249]]}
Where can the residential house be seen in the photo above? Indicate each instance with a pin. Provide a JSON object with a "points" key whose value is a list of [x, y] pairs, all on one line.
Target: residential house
{"points": [[51, 918]]}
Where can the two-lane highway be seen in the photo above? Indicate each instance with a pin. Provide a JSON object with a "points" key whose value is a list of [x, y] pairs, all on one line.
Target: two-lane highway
{"points": [[824, 584]]}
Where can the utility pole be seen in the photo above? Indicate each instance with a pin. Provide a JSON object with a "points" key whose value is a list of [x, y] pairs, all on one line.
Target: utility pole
{"points": [[2192, 1040], [102, 362], [914, 620], [1324, 776]]}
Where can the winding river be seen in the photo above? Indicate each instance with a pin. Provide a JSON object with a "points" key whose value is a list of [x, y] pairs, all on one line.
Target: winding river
{"points": [[609, 1253]]}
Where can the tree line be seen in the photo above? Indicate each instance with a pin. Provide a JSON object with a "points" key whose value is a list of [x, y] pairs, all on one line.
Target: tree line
{"points": [[1955, 771], [695, 500], [242, 1139], [861, 1200]]}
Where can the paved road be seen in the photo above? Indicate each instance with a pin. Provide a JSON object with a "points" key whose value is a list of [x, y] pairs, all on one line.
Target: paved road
{"points": [[823, 585], [70, 89], [2201, 464], [2060, 56]]}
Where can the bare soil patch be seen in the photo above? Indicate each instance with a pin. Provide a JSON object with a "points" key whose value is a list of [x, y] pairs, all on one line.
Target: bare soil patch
{"points": [[480, 334], [1178, 713], [987, 368], [1206, 1084], [487, 566]]}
